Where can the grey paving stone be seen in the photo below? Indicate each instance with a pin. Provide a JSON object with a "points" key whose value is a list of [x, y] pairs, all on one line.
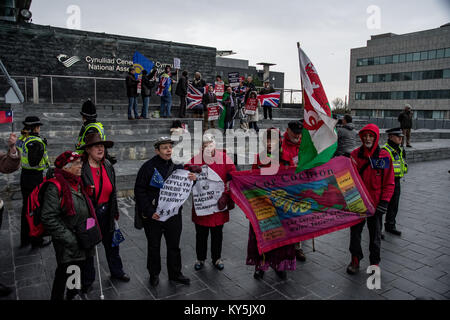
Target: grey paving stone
{"points": [[324, 289], [36, 292], [135, 294], [274, 295], [395, 294]]}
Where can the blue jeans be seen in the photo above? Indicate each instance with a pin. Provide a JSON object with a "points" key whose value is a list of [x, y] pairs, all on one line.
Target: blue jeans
{"points": [[132, 104], [145, 101], [166, 105]]}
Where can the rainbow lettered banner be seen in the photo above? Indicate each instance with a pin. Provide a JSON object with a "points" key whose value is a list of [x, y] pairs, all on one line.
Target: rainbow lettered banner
{"points": [[290, 207]]}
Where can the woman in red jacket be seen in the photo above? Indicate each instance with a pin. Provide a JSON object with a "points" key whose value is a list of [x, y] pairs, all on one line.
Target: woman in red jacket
{"points": [[279, 259], [222, 165]]}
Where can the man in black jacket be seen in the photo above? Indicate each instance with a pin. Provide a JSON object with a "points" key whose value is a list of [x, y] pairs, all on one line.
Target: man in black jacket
{"points": [[181, 91], [132, 94], [147, 84], [405, 119], [149, 180]]}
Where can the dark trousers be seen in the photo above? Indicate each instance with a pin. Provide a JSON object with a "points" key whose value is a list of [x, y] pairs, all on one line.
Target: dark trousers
{"points": [[112, 253], [171, 229], [393, 206], [253, 125], [201, 244], [182, 112], [60, 281], [374, 226], [267, 109], [29, 179]]}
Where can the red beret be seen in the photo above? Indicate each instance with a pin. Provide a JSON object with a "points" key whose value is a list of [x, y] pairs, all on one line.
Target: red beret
{"points": [[66, 157]]}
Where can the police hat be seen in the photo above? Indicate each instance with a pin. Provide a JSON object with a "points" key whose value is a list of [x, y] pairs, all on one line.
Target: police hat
{"points": [[32, 121], [395, 131], [163, 140], [295, 126], [88, 109]]}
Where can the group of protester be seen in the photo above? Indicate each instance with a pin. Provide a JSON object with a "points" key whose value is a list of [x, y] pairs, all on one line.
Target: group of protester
{"points": [[79, 202], [231, 100]]}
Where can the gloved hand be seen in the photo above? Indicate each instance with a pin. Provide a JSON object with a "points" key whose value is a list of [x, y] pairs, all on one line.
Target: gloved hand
{"points": [[194, 169], [382, 207], [223, 201]]}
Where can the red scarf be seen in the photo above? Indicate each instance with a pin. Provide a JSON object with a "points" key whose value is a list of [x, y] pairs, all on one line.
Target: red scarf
{"points": [[68, 181]]}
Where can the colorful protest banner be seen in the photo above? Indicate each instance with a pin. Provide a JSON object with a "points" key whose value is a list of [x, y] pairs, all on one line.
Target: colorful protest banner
{"points": [[251, 105], [173, 194], [219, 89], [233, 79], [207, 191], [213, 111], [290, 207]]}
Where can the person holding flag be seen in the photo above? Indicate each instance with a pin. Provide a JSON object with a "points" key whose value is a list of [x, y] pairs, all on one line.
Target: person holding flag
{"points": [[266, 90], [132, 94], [165, 92]]}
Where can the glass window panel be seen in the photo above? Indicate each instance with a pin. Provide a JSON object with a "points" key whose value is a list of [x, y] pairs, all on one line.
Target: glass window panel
{"points": [[424, 55], [406, 95], [428, 114], [376, 78], [413, 95], [357, 96], [432, 54], [370, 78], [417, 75], [381, 78], [438, 74], [395, 58], [361, 79], [407, 76], [402, 58], [388, 59], [396, 77], [447, 52], [369, 61], [416, 56], [446, 74], [388, 77], [409, 57], [363, 96], [440, 53], [382, 60], [376, 60]]}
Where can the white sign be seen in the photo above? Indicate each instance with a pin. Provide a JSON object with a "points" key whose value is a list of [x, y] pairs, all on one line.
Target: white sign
{"points": [[176, 63], [207, 191], [173, 194]]}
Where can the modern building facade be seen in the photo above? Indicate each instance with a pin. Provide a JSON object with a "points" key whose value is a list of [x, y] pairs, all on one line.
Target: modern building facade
{"points": [[227, 65], [394, 70]]}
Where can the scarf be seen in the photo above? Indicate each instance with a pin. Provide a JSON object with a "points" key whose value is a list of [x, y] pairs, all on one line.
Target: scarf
{"points": [[68, 181]]}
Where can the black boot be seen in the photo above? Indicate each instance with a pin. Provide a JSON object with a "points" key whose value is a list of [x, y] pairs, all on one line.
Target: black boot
{"points": [[259, 274], [392, 229]]}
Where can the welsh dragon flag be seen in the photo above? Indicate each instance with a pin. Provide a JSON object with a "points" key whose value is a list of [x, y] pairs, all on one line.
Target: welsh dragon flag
{"points": [[319, 138]]}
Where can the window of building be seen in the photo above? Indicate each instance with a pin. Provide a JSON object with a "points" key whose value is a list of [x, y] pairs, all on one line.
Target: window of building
{"points": [[382, 60], [438, 74], [388, 77], [427, 75], [396, 77], [424, 55], [370, 78], [432, 54], [406, 76], [364, 113], [376, 60], [395, 58], [370, 61], [357, 96], [437, 114], [359, 62], [409, 57], [416, 56], [388, 59], [417, 75], [391, 113], [361, 79], [447, 53], [440, 53], [446, 74]]}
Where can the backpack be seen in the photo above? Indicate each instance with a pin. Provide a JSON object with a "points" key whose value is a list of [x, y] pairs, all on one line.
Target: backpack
{"points": [[35, 201]]}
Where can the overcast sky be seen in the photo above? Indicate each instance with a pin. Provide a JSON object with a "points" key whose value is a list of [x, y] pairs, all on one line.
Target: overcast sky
{"points": [[259, 31]]}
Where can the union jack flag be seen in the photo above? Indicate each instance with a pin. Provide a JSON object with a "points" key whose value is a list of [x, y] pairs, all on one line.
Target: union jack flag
{"points": [[194, 97], [163, 86], [270, 100]]}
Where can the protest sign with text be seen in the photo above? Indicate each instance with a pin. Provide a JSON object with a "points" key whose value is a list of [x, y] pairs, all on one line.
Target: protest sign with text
{"points": [[173, 194], [290, 207], [207, 191], [251, 105], [213, 111]]}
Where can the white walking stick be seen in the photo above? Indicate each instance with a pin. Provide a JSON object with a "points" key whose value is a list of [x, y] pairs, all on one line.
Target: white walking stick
{"points": [[102, 297]]}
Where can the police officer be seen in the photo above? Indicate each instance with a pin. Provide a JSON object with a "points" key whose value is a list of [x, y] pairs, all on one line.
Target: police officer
{"points": [[91, 125], [398, 156], [34, 159]]}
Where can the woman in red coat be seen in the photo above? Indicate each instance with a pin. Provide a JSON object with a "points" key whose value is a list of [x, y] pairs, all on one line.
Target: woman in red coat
{"points": [[279, 259], [222, 165]]}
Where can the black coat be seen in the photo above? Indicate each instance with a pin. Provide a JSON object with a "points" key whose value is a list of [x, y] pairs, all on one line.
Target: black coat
{"points": [[182, 87], [405, 119], [147, 196], [131, 84], [88, 180], [207, 99], [147, 86]]}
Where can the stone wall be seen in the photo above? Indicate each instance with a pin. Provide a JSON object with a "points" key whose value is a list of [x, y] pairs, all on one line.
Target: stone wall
{"points": [[33, 50]]}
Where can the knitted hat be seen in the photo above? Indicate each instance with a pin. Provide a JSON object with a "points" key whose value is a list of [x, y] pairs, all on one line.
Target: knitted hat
{"points": [[88, 109], [66, 157], [295, 126]]}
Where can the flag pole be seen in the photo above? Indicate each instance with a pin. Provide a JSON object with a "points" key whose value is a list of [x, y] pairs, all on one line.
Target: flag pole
{"points": [[303, 103]]}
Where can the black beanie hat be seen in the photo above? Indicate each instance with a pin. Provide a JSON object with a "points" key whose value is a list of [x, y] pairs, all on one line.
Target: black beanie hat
{"points": [[88, 109]]}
